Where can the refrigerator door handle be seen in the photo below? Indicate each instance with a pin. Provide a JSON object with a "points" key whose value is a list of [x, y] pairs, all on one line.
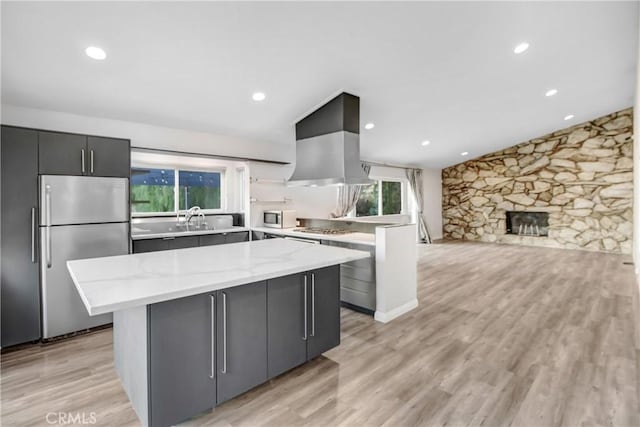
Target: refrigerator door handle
{"points": [[33, 235], [47, 213]]}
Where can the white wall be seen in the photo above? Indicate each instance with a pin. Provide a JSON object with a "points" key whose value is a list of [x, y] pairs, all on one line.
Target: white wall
{"points": [[432, 181], [636, 171], [308, 202], [147, 136]]}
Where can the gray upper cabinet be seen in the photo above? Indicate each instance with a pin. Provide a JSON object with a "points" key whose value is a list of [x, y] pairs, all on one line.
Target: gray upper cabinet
{"points": [[241, 346], [286, 325], [109, 157], [62, 153], [20, 286], [72, 154], [324, 310], [182, 365]]}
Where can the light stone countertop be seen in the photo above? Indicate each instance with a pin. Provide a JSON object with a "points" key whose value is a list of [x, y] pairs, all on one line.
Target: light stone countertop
{"points": [[368, 239], [119, 282]]}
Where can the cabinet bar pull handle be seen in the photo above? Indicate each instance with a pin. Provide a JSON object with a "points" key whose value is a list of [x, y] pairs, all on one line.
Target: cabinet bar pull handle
{"points": [[213, 336], [169, 238], [82, 159], [47, 212], [313, 304], [304, 337], [224, 332], [91, 161], [33, 235]]}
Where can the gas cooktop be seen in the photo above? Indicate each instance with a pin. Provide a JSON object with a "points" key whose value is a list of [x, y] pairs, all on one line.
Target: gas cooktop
{"points": [[323, 231]]}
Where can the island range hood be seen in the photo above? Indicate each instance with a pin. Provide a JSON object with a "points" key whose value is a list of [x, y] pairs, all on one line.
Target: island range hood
{"points": [[328, 145]]}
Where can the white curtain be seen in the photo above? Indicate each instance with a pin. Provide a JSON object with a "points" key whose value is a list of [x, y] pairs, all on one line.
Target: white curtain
{"points": [[348, 196], [415, 184]]}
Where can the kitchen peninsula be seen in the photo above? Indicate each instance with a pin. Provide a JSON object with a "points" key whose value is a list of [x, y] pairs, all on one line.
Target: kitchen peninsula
{"points": [[196, 327]]}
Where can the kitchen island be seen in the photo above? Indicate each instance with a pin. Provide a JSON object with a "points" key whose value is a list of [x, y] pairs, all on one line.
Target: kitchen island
{"points": [[196, 327]]}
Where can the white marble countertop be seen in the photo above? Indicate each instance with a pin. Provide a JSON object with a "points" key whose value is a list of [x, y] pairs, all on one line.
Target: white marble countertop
{"points": [[142, 235], [368, 239], [115, 283]]}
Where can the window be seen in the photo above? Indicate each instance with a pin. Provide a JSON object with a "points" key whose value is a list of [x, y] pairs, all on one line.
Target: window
{"points": [[381, 198], [199, 189], [170, 190], [152, 190]]}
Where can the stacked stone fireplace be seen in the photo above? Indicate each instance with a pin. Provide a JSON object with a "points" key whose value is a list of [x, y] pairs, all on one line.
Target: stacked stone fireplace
{"points": [[569, 189]]}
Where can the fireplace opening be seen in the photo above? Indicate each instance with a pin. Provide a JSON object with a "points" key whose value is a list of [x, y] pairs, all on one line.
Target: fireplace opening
{"points": [[528, 223]]}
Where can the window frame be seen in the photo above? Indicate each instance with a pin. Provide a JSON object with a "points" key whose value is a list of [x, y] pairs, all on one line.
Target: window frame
{"points": [[403, 199], [176, 188]]}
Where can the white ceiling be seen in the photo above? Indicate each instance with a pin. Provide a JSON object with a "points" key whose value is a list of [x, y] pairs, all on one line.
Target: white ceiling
{"points": [[439, 71]]}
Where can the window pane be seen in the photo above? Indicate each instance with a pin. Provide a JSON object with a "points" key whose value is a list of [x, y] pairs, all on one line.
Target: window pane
{"points": [[199, 189], [367, 204], [152, 190], [391, 197]]}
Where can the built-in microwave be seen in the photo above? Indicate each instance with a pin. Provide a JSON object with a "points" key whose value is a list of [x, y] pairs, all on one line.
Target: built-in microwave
{"points": [[279, 219]]}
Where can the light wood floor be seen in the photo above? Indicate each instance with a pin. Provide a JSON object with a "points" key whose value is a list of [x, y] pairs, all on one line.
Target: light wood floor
{"points": [[504, 335]]}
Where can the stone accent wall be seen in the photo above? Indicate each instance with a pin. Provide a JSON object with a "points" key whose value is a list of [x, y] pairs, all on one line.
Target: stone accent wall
{"points": [[582, 176]]}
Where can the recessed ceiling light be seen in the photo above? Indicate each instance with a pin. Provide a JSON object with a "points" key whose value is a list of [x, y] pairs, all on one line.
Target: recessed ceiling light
{"points": [[569, 117], [521, 48], [95, 53], [464, 153], [369, 126], [259, 96], [551, 92], [426, 142]]}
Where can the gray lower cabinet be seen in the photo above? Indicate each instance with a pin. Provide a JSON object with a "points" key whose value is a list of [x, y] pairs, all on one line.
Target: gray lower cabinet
{"points": [[212, 239], [166, 243], [181, 366], [19, 286], [286, 323], [303, 318], [241, 323], [223, 238], [241, 236], [324, 310], [206, 349], [182, 242]]}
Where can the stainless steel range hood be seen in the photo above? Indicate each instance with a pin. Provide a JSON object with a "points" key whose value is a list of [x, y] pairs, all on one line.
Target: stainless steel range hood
{"points": [[328, 145]]}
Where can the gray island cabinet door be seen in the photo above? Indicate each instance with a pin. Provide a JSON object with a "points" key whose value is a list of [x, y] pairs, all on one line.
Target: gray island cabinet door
{"points": [[324, 310], [62, 154], [108, 157], [19, 286], [287, 346], [241, 345], [181, 363]]}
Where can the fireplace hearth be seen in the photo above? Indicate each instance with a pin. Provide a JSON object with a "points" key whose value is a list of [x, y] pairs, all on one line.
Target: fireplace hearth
{"points": [[524, 223]]}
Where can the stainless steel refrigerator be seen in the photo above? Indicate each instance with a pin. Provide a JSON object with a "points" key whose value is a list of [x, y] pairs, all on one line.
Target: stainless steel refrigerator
{"points": [[80, 217]]}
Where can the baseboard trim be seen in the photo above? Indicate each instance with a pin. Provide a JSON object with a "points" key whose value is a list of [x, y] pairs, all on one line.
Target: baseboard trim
{"points": [[396, 312]]}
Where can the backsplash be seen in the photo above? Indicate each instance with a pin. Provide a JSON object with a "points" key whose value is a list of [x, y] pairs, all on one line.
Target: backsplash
{"points": [[582, 176]]}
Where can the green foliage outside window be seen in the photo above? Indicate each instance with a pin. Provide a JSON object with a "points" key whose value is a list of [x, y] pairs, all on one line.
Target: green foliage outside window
{"points": [[368, 203]]}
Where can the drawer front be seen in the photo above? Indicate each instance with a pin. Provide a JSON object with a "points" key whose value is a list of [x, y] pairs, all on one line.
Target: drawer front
{"points": [[212, 239], [358, 285], [360, 299], [242, 236], [367, 274]]}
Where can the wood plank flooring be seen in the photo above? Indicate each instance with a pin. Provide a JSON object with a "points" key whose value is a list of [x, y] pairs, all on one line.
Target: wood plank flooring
{"points": [[504, 335]]}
